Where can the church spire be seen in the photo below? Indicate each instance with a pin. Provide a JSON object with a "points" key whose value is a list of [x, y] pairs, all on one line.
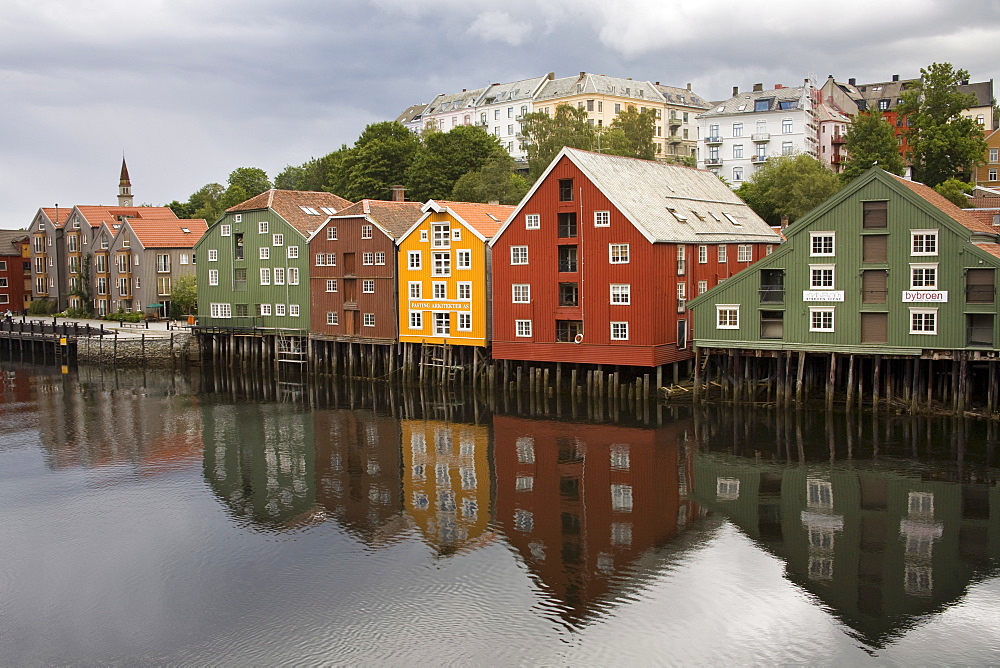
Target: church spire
{"points": [[124, 187]]}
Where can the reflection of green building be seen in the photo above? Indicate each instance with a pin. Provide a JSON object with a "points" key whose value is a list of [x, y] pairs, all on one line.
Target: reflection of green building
{"points": [[260, 461], [881, 548]]}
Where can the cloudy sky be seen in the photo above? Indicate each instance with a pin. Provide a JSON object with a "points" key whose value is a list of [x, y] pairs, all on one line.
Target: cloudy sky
{"points": [[189, 90]]}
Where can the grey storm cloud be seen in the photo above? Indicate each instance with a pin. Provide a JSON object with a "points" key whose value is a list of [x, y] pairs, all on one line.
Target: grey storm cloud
{"points": [[189, 90]]}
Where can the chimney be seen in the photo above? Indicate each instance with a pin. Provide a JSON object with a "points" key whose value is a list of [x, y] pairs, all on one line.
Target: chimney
{"points": [[398, 193], [365, 207], [778, 86], [689, 86], [784, 222], [965, 82], [657, 83], [551, 76], [806, 82], [583, 74], [736, 91], [895, 77], [852, 81], [758, 87]]}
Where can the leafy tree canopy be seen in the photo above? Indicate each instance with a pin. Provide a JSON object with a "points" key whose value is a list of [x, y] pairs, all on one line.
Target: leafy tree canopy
{"points": [[788, 185], [955, 191], [244, 183], [378, 161], [942, 143], [544, 135], [495, 181], [630, 134], [871, 141], [446, 156], [184, 294]]}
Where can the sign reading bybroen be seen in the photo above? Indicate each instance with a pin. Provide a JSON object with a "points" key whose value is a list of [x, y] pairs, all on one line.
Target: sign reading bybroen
{"points": [[938, 296]]}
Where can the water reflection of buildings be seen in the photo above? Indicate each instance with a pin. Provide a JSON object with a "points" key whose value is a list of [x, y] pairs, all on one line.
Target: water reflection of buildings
{"points": [[447, 482], [358, 474], [259, 460], [583, 503], [881, 548]]}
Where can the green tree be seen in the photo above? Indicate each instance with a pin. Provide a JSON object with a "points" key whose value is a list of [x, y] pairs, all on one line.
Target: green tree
{"points": [[446, 156], [244, 183], [630, 134], [942, 143], [685, 160], [871, 141], [544, 136], [788, 185], [206, 202], [82, 291], [379, 159], [495, 181], [184, 295], [955, 191]]}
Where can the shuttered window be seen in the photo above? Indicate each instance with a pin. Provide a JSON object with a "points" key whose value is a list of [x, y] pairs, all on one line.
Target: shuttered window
{"points": [[874, 286], [979, 286], [874, 327], [873, 247], [874, 215]]}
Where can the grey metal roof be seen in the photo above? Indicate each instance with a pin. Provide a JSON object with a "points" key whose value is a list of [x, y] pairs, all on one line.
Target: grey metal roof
{"points": [[454, 102], [646, 192], [599, 84], [744, 102], [682, 96], [514, 91]]}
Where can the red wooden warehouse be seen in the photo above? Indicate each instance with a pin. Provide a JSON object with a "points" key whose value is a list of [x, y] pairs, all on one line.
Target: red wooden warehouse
{"points": [[352, 279], [597, 262]]}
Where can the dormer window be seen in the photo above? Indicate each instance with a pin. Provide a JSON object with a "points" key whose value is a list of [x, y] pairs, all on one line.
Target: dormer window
{"points": [[763, 104]]}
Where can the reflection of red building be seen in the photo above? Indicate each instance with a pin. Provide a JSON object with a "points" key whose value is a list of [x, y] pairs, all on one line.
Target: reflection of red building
{"points": [[582, 503], [358, 479]]}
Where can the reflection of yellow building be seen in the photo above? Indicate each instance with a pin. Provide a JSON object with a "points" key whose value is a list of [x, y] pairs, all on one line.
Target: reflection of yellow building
{"points": [[443, 270], [446, 482]]}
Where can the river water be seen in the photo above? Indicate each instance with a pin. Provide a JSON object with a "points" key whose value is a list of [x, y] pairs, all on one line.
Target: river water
{"points": [[168, 518]]}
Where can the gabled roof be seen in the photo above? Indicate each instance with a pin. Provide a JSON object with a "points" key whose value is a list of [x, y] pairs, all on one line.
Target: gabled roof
{"points": [[9, 239], [504, 93], [168, 233], [289, 205], [50, 213], [394, 218], [99, 215], [682, 96], [599, 84], [667, 203], [443, 103], [483, 220]]}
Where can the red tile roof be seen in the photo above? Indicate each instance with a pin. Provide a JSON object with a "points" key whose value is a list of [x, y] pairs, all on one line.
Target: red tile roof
{"points": [[288, 204], [98, 215], [395, 217], [168, 233], [961, 216], [51, 213], [487, 219], [992, 249]]}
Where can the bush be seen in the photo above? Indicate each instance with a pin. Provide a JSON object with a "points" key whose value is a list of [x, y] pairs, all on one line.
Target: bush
{"points": [[135, 316], [42, 307], [78, 313]]}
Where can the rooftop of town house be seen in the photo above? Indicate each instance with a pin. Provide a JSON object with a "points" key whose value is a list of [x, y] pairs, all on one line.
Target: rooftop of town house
{"points": [[965, 217], [515, 91], [177, 233], [305, 210], [487, 219], [10, 240], [599, 84], [444, 103], [682, 96], [783, 98], [393, 217]]}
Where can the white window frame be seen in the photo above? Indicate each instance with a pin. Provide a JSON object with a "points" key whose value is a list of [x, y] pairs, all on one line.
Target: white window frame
{"points": [[279, 275], [265, 276], [464, 321], [722, 253], [262, 227], [292, 253], [532, 221], [463, 259], [366, 231], [279, 309], [440, 235], [619, 331], [416, 290], [442, 323], [923, 312], [924, 283], [416, 320], [293, 275], [924, 236], [441, 263], [263, 253], [813, 276], [220, 310], [518, 255], [602, 219], [225, 230], [464, 291], [213, 277], [818, 242], [414, 260], [744, 253], [727, 316], [368, 320], [265, 309], [621, 294], [439, 290], [368, 258], [818, 312], [520, 293], [213, 255], [331, 235], [522, 328], [618, 253], [702, 254], [331, 285], [380, 258], [702, 287], [332, 318], [293, 310], [368, 286]]}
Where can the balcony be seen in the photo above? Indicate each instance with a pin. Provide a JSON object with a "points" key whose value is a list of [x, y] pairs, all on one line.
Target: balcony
{"points": [[713, 162], [674, 138], [760, 137], [713, 140], [838, 138], [674, 122], [758, 159], [837, 159]]}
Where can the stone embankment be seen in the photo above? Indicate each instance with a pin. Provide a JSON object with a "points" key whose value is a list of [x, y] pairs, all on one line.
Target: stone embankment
{"points": [[150, 351]]}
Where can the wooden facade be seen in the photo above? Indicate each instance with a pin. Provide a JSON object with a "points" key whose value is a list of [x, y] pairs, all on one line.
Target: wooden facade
{"points": [[352, 280], [587, 270], [15, 271]]}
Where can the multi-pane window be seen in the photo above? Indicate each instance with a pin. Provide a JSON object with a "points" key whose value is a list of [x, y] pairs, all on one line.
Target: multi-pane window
{"points": [[820, 319], [465, 322], [213, 276], [293, 276], [738, 151], [262, 227], [722, 253], [463, 259], [440, 235], [923, 321], [379, 258], [331, 235], [465, 291], [439, 290], [293, 310], [368, 286], [532, 221], [702, 287], [727, 316], [366, 231], [279, 309], [786, 126], [519, 255], [442, 263], [221, 310], [368, 320], [923, 277], [279, 275], [213, 255], [413, 259], [102, 284], [522, 328], [567, 226], [277, 239], [368, 258], [263, 309], [923, 242], [332, 318], [265, 276], [621, 293], [821, 276], [416, 320], [702, 254], [619, 331], [821, 243], [263, 253], [737, 129], [565, 190], [618, 253], [521, 293], [442, 324], [456, 234], [416, 290], [331, 285], [293, 252], [744, 253], [162, 263], [602, 218]]}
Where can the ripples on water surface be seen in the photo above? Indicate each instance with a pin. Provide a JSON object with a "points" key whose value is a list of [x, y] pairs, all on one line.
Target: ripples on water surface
{"points": [[151, 519]]}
